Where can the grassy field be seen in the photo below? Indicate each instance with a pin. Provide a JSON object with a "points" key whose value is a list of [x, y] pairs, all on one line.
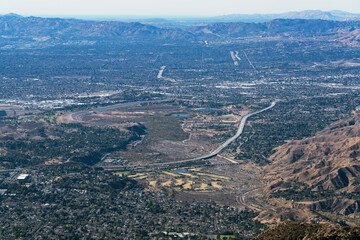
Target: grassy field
{"points": [[164, 128], [167, 183], [188, 175], [216, 185], [189, 179], [216, 177], [203, 186], [49, 118], [187, 185], [223, 237], [152, 183], [179, 182], [171, 174], [159, 129]]}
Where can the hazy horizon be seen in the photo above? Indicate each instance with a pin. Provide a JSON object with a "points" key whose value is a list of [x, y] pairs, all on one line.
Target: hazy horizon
{"points": [[169, 17], [162, 8]]}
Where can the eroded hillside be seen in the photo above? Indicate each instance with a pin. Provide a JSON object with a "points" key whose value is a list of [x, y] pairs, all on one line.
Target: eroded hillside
{"points": [[319, 173]]}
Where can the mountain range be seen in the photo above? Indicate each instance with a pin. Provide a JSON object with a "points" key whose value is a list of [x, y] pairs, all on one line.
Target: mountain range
{"points": [[14, 26], [35, 28], [335, 15], [277, 28], [184, 22]]}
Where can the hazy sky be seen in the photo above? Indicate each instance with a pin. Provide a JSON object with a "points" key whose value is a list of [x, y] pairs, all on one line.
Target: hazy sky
{"points": [[169, 7]]}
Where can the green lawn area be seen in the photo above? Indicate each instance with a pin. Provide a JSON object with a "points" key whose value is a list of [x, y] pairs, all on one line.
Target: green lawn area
{"points": [[223, 237]]}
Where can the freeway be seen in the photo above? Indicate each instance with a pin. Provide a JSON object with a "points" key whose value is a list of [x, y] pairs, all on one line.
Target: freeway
{"points": [[220, 148]]}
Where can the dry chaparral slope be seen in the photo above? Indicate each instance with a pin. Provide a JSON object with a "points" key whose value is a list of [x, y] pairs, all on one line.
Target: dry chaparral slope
{"points": [[352, 38], [296, 230], [320, 173]]}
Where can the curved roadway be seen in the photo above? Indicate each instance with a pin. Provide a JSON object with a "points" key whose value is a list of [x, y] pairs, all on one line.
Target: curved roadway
{"points": [[221, 147], [75, 116]]}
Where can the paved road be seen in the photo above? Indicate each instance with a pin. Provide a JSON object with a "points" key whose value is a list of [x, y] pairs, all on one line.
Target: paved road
{"points": [[251, 64], [237, 55], [220, 148], [75, 116]]}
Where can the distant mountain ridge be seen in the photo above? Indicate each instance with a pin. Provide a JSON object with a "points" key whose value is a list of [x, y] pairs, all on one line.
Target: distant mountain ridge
{"points": [[12, 15], [13, 26], [277, 27], [335, 15], [185, 22], [36, 28]]}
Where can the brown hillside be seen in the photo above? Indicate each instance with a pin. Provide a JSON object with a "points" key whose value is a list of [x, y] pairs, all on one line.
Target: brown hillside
{"points": [[328, 163], [305, 231], [352, 38]]}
